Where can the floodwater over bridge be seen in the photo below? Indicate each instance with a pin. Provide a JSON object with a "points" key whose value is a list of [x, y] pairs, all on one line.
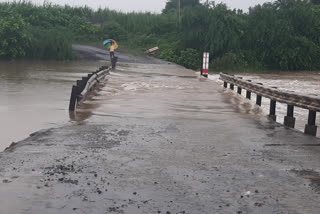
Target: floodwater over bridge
{"points": [[158, 138]]}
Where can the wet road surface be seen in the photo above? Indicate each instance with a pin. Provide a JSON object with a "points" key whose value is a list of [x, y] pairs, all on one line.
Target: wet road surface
{"points": [[157, 138]]}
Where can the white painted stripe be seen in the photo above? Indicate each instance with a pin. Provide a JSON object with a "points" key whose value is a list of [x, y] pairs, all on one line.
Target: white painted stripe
{"points": [[205, 60]]}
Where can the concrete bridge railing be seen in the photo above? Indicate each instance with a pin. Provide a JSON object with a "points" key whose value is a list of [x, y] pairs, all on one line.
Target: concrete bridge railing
{"points": [[85, 85], [292, 99]]}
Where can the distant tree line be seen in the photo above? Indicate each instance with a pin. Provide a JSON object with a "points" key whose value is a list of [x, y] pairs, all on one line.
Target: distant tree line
{"points": [[283, 35]]}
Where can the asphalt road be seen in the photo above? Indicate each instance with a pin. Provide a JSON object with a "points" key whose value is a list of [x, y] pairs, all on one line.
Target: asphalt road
{"points": [[195, 148]]}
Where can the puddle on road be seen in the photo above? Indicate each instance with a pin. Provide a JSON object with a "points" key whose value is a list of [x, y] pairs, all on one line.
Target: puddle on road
{"points": [[311, 175]]}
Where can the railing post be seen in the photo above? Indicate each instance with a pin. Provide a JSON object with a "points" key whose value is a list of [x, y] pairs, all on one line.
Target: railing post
{"points": [[239, 88], [85, 80], [231, 86], [311, 128], [81, 84], [290, 120], [248, 95], [259, 100], [259, 97], [272, 114], [73, 98]]}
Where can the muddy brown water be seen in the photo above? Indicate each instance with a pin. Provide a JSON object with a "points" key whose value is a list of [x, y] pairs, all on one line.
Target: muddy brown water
{"points": [[35, 95]]}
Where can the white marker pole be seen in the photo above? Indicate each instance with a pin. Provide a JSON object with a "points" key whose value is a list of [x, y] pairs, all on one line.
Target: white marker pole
{"points": [[205, 68]]}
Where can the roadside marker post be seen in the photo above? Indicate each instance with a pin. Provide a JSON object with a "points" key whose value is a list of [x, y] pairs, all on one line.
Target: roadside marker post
{"points": [[205, 67], [152, 50]]}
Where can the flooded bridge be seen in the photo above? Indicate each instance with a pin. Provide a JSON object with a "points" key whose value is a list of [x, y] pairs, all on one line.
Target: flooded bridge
{"points": [[158, 138]]}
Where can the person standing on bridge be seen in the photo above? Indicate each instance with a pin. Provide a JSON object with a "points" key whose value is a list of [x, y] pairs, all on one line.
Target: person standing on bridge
{"points": [[112, 45], [111, 50]]}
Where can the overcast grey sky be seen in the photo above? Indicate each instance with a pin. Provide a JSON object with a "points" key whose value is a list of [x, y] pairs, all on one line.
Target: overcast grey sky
{"points": [[142, 5]]}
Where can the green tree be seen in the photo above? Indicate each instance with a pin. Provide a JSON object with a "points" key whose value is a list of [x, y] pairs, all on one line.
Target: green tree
{"points": [[113, 30], [315, 2], [190, 58], [283, 34], [14, 38], [48, 44], [174, 4], [217, 29]]}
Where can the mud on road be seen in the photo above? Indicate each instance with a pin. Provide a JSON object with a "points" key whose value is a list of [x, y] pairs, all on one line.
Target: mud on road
{"points": [[152, 144]]}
